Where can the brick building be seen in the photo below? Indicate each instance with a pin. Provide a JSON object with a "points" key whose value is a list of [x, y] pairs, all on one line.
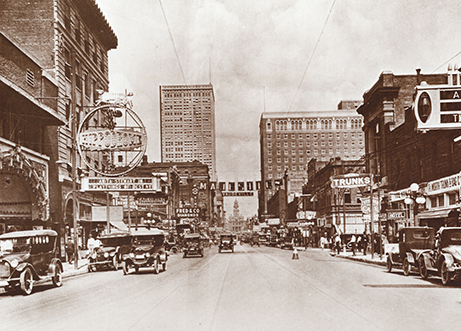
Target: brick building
{"points": [[27, 108], [70, 39], [288, 141], [400, 155]]}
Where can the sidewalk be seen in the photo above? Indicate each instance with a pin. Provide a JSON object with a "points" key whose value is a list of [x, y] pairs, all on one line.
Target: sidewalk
{"points": [[362, 258], [69, 269]]}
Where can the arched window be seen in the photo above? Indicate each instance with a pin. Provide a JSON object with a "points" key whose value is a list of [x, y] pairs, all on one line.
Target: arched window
{"points": [[269, 126]]}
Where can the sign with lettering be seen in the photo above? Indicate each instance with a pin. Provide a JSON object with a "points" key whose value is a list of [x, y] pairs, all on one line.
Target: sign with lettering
{"points": [[350, 180], [438, 107], [395, 214], [99, 140], [187, 212], [120, 184]]}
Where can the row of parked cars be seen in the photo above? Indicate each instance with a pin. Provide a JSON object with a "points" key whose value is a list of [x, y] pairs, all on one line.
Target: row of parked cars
{"points": [[28, 258], [427, 252]]}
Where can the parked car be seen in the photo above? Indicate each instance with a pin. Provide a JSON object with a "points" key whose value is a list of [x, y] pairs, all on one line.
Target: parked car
{"points": [[412, 241], [226, 242], [273, 240], [28, 258], [445, 258], [109, 254], [286, 242], [192, 245], [147, 250]]}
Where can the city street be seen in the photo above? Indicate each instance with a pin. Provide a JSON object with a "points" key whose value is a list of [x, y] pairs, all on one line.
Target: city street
{"points": [[255, 288]]}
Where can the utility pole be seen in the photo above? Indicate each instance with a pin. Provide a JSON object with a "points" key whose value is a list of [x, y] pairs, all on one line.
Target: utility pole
{"points": [[74, 123]]}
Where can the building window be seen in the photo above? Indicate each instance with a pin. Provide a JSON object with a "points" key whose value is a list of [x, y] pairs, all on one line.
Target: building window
{"points": [[269, 136], [277, 144], [440, 201], [269, 160], [279, 159], [452, 198], [279, 152], [269, 144]]}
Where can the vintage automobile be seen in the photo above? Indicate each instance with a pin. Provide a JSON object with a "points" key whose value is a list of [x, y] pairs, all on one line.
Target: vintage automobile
{"points": [[109, 254], [445, 257], [412, 241], [273, 239], [226, 242], [147, 250], [286, 242], [192, 245], [254, 239], [28, 258]]}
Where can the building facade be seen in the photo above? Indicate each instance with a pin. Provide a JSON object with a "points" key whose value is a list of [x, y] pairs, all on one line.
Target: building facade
{"points": [[27, 108], [288, 141], [187, 117], [71, 40], [399, 155]]}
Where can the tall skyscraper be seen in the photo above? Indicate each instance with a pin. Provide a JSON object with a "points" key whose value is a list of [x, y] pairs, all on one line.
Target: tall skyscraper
{"points": [[288, 141], [187, 117]]}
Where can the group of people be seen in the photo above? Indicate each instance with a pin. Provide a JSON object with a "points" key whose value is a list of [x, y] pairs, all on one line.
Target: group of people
{"points": [[91, 245]]}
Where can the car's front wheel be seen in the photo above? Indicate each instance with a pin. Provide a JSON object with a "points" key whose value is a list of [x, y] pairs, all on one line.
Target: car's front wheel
{"points": [[57, 278], [125, 267], [27, 281], [156, 269], [406, 267], [445, 274], [389, 264], [422, 268]]}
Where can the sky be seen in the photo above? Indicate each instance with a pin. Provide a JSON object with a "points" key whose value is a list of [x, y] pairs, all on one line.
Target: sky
{"points": [[270, 56]]}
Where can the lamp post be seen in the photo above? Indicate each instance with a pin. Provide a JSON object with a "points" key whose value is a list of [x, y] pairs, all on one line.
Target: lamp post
{"points": [[416, 198]]}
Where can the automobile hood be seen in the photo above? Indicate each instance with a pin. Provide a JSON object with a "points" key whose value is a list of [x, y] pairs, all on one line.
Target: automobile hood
{"points": [[143, 248], [106, 249], [454, 250], [15, 256]]}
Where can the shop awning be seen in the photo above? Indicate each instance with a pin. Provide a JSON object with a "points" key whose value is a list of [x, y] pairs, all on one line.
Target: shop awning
{"points": [[441, 213]]}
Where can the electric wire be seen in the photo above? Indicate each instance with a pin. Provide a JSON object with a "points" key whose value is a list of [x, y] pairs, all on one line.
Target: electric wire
{"points": [[446, 62], [172, 41], [312, 55]]}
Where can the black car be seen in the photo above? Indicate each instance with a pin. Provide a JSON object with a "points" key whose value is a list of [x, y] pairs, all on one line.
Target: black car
{"points": [[109, 254], [226, 242], [147, 250], [28, 258], [192, 245], [444, 258]]}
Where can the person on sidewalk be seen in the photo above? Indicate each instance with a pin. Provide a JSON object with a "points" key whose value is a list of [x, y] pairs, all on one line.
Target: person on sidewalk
{"points": [[353, 244], [365, 243], [70, 250], [338, 243]]}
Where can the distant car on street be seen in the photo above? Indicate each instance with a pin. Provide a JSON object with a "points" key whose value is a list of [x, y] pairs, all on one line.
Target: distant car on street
{"points": [[193, 245], [28, 258], [226, 242], [445, 257], [412, 241], [109, 254], [147, 250]]}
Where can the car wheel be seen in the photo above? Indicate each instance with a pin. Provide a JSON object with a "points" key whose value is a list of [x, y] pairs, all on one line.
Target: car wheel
{"points": [[125, 267], [27, 282], [422, 268], [445, 274], [389, 264], [164, 266], [115, 262], [174, 250], [406, 267], [155, 266], [57, 278]]}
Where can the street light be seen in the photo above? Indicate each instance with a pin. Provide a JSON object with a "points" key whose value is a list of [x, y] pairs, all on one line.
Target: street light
{"points": [[416, 197]]}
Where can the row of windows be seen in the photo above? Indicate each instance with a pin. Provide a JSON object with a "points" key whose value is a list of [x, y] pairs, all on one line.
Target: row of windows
{"points": [[330, 135], [186, 94], [315, 143], [316, 152], [313, 124]]}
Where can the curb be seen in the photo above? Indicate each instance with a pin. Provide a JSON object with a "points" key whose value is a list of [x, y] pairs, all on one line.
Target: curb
{"points": [[362, 259], [80, 271]]}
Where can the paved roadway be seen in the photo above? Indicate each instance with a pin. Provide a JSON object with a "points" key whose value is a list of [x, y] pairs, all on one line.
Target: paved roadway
{"points": [[260, 288]]}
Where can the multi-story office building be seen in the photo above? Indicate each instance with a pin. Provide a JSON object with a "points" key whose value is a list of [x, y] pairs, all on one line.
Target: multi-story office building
{"points": [[289, 140], [187, 117], [70, 39]]}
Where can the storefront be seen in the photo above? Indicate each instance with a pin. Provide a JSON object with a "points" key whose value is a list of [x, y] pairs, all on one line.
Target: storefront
{"points": [[24, 203]]}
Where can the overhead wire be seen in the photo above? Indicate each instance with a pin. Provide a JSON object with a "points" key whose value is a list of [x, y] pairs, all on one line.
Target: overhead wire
{"points": [[312, 55], [446, 62], [172, 41]]}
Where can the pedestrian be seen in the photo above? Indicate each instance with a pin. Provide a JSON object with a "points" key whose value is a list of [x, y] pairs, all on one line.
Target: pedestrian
{"points": [[365, 243], [70, 250], [322, 242], [338, 243], [353, 244], [91, 244]]}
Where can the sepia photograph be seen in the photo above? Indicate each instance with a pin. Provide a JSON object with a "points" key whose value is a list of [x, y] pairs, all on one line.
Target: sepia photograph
{"points": [[253, 165]]}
